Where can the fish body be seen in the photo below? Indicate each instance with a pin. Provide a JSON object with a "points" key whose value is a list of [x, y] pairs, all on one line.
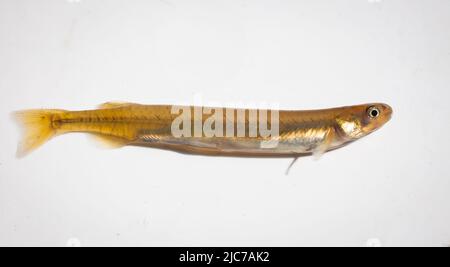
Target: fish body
{"points": [[208, 131]]}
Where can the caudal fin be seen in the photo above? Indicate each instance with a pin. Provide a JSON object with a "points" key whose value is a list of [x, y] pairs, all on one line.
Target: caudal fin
{"points": [[37, 127]]}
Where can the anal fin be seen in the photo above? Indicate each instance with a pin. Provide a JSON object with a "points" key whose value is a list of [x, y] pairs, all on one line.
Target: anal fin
{"points": [[108, 141]]}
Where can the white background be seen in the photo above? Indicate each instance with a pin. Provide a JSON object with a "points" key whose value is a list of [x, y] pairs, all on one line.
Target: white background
{"points": [[391, 188]]}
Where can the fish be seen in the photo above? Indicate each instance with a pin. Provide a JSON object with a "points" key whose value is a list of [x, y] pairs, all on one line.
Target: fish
{"points": [[209, 131]]}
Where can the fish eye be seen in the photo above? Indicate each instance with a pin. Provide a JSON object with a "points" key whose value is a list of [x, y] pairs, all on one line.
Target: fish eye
{"points": [[373, 112]]}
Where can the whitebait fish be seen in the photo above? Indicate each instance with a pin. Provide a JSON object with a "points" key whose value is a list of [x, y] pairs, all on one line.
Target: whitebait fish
{"points": [[208, 131]]}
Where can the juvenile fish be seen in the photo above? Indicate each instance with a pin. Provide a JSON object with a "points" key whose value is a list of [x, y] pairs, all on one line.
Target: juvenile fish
{"points": [[208, 131]]}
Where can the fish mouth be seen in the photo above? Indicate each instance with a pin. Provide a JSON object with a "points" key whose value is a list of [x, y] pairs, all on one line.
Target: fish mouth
{"points": [[387, 111]]}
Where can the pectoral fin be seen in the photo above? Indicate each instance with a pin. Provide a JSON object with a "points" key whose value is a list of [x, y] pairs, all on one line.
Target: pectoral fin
{"points": [[325, 146]]}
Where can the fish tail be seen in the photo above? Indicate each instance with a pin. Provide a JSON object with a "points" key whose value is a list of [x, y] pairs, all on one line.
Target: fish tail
{"points": [[37, 128]]}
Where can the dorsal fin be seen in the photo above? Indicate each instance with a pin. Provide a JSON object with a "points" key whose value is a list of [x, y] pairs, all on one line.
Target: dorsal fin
{"points": [[115, 105]]}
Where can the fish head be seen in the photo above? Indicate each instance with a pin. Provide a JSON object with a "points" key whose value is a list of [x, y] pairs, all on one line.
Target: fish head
{"points": [[361, 120]]}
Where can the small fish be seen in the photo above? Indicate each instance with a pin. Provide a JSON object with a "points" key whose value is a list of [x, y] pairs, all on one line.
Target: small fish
{"points": [[235, 132]]}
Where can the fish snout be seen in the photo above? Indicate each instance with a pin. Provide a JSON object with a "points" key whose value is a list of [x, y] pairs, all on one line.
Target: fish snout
{"points": [[387, 111]]}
